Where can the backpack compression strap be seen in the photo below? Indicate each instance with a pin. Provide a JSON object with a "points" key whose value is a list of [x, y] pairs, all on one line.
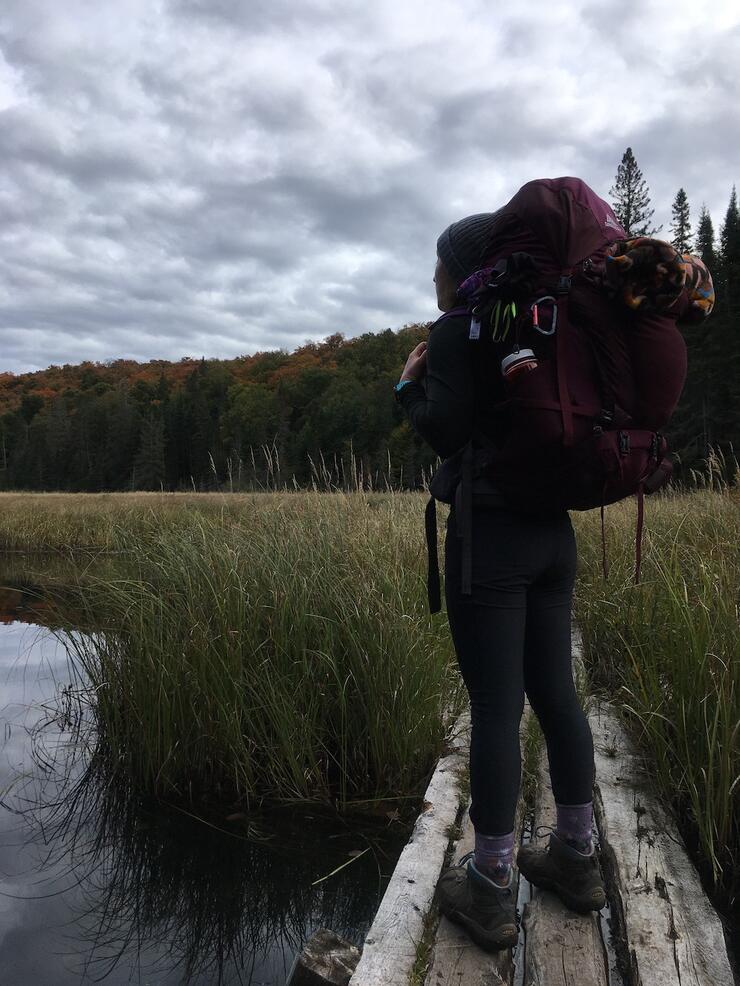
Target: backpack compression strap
{"points": [[464, 515]]}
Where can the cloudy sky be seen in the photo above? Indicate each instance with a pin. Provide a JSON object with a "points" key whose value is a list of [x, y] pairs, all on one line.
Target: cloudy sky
{"points": [[217, 177]]}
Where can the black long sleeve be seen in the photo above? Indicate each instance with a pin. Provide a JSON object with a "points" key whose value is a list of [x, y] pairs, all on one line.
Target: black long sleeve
{"points": [[441, 410]]}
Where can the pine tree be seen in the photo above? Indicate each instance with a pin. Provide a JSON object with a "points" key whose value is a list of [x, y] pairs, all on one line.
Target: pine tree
{"points": [[149, 467], [705, 239], [680, 225], [729, 245], [631, 198], [723, 339], [693, 418]]}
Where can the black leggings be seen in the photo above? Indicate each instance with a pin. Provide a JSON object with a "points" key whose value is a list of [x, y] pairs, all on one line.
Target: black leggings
{"points": [[513, 635]]}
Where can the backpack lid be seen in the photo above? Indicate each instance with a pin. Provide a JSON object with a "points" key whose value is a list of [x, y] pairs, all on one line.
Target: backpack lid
{"points": [[565, 215]]}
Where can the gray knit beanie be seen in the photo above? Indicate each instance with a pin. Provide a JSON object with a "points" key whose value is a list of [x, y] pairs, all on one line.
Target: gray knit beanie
{"points": [[462, 245]]}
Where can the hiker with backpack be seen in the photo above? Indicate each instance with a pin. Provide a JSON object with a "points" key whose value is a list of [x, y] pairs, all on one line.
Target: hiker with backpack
{"points": [[546, 383]]}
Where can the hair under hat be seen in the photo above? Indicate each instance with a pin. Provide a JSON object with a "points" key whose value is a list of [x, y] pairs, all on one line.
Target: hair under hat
{"points": [[461, 247]]}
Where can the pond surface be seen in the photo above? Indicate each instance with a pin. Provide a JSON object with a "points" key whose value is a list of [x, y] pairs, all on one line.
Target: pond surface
{"points": [[95, 886]]}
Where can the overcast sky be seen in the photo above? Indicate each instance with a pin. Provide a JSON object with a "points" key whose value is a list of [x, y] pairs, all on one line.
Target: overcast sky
{"points": [[217, 177]]}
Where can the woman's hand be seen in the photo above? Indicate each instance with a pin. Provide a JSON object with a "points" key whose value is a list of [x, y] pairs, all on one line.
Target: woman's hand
{"points": [[416, 364]]}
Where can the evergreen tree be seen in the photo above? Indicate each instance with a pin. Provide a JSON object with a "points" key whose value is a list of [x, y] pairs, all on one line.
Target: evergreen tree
{"points": [[705, 239], [58, 452], [177, 441], [149, 465], [729, 244], [680, 225], [631, 198], [121, 438], [723, 339]]}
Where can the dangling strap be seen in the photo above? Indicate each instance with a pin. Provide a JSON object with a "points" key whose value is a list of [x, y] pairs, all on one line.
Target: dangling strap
{"points": [[464, 514], [430, 526], [466, 518], [603, 536], [638, 534]]}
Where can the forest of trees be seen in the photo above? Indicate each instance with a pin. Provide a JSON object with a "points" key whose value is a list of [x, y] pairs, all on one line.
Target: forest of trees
{"points": [[276, 418], [252, 422]]}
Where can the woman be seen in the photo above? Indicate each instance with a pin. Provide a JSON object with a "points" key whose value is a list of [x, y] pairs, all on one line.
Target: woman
{"points": [[512, 633]]}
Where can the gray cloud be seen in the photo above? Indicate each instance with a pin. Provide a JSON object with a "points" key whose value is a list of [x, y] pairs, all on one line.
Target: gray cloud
{"points": [[214, 178]]}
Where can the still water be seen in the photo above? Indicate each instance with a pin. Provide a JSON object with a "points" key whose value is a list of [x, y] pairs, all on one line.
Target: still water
{"points": [[95, 886]]}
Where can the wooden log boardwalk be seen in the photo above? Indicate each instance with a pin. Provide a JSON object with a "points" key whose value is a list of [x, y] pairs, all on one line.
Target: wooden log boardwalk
{"points": [[658, 929], [661, 930]]}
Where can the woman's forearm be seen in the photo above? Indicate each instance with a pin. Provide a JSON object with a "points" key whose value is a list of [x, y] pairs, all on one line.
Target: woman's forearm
{"points": [[441, 410]]}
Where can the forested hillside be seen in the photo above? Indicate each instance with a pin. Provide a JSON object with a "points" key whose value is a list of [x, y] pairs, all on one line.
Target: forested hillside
{"points": [[257, 420]]}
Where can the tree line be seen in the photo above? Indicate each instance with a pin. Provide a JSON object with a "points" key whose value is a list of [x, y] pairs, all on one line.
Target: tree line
{"points": [[325, 410], [255, 422]]}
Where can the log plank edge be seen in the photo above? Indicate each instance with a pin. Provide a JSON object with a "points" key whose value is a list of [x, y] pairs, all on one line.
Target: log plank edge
{"points": [[674, 935], [389, 951]]}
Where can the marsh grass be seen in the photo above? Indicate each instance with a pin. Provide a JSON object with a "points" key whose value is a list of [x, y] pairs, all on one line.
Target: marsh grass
{"points": [[279, 642], [113, 522], [667, 650], [77, 522], [285, 653]]}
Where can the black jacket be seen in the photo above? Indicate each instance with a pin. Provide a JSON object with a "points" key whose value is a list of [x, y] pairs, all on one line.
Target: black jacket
{"points": [[463, 379]]}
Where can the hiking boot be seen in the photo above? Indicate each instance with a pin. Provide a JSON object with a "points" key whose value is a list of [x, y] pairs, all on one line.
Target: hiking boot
{"points": [[575, 878], [486, 911]]}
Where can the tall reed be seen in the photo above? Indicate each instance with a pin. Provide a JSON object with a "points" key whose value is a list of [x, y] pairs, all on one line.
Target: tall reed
{"points": [[667, 650], [103, 521], [287, 653]]}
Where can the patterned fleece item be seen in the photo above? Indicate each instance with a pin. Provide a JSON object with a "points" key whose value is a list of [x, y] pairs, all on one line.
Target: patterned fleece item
{"points": [[646, 273], [699, 288], [650, 275]]}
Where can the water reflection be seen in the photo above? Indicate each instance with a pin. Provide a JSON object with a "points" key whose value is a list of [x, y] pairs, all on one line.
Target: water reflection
{"points": [[96, 885]]}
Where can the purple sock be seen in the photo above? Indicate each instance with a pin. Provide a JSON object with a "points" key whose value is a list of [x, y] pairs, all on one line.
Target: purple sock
{"points": [[574, 824], [493, 853]]}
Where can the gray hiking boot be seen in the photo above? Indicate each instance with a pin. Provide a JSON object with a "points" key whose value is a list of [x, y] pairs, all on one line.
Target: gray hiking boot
{"points": [[575, 878], [486, 910]]}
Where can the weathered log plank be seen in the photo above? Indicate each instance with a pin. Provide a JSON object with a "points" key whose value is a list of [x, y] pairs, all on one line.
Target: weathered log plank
{"points": [[455, 958], [563, 948], [674, 935], [389, 951]]}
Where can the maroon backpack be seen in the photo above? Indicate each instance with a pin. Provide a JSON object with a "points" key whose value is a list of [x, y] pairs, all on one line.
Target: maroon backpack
{"points": [[582, 422]]}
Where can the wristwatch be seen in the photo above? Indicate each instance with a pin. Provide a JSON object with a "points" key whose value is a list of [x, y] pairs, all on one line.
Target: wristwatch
{"points": [[399, 386]]}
